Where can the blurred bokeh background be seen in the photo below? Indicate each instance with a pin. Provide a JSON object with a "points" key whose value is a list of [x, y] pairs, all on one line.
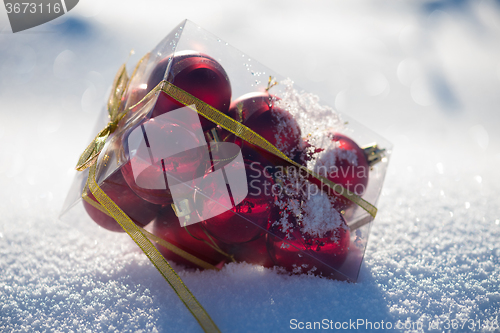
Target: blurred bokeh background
{"points": [[423, 74]]}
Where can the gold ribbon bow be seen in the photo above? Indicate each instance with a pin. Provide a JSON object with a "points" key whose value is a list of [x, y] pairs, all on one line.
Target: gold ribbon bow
{"points": [[91, 153]]}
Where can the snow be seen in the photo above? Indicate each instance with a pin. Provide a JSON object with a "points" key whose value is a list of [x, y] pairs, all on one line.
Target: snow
{"points": [[325, 163], [309, 112], [425, 75], [320, 217]]}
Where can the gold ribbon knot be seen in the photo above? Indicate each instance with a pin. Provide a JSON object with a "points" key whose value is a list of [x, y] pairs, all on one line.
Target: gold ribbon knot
{"points": [[91, 153]]}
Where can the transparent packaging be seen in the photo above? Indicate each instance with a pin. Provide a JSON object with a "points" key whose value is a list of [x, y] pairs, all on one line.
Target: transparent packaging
{"points": [[217, 195]]}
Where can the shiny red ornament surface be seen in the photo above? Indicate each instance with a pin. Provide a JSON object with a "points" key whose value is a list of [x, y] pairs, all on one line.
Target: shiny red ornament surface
{"points": [[251, 104], [299, 252], [346, 165], [254, 252], [190, 239], [277, 126], [258, 112], [241, 110], [151, 182], [196, 73], [139, 210], [248, 219]]}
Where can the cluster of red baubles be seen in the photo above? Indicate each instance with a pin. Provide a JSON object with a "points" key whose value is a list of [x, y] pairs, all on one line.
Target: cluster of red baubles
{"points": [[248, 231]]}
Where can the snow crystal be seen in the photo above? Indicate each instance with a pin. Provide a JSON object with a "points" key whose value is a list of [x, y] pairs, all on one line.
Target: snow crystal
{"points": [[310, 114], [301, 203], [327, 159], [320, 217], [286, 128]]}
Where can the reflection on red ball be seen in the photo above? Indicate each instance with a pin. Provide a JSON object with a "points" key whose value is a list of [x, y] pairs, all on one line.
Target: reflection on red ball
{"points": [[190, 239], [299, 252], [140, 212], [251, 104], [346, 165], [147, 169], [258, 112], [277, 126], [247, 220], [198, 74]]}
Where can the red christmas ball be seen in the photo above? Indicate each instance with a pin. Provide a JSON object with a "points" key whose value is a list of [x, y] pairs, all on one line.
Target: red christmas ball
{"points": [[244, 217], [300, 252], [254, 252], [140, 211], [196, 73], [347, 165], [241, 110], [192, 239], [162, 154], [258, 112], [277, 126], [251, 104]]}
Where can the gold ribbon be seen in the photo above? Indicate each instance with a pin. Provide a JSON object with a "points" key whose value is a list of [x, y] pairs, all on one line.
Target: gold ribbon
{"points": [[152, 253], [90, 154]]}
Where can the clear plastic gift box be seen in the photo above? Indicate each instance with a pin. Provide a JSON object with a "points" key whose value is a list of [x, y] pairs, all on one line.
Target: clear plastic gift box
{"points": [[197, 178]]}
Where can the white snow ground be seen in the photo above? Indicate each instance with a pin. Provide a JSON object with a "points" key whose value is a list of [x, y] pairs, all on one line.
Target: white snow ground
{"points": [[425, 75]]}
